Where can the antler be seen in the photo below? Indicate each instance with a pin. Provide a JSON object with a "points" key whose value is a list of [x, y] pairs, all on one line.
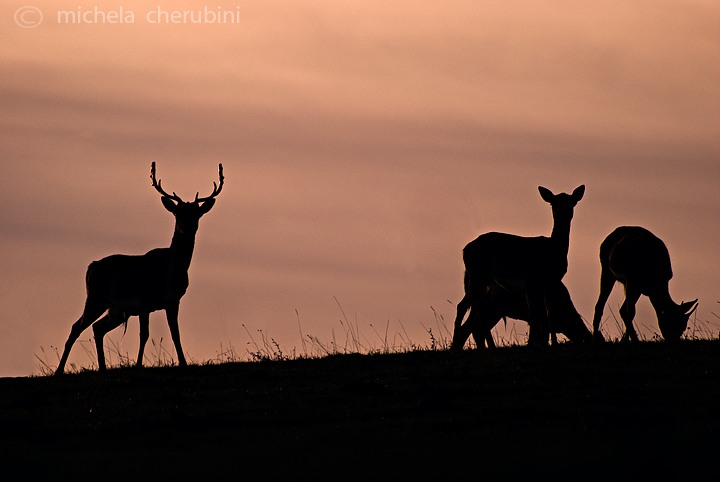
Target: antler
{"points": [[216, 188], [158, 188]]}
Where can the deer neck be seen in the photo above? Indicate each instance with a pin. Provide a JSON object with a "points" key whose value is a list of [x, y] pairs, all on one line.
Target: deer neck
{"points": [[560, 237], [181, 249], [661, 301]]}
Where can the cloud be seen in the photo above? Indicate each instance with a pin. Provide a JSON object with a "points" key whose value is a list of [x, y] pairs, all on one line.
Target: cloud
{"points": [[363, 143]]}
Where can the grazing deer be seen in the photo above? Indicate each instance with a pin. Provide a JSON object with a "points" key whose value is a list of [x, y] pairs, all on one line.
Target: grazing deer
{"points": [[126, 286], [639, 260], [521, 264], [501, 303]]}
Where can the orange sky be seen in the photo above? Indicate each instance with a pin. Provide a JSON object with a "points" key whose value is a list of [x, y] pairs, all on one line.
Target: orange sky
{"points": [[364, 144]]}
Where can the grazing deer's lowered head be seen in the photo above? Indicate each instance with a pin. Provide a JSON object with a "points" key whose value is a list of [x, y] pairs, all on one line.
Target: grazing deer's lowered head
{"points": [[127, 286], [673, 320], [499, 303]]}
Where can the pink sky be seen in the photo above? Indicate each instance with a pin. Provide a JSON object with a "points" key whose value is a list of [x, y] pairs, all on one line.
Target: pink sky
{"points": [[364, 144]]}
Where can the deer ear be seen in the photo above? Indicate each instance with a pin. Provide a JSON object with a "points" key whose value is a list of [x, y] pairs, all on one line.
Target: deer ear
{"points": [[686, 307], [169, 204], [578, 193], [206, 206], [546, 194]]}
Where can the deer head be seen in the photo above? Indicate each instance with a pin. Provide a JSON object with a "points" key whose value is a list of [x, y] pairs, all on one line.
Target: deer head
{"points": [[562, 204], [673, 321], [187, 214]]}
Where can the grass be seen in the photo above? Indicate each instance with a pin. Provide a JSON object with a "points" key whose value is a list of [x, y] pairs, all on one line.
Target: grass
{"points": [[263, 347], [156, 355], [375, 407], [514, 411]]}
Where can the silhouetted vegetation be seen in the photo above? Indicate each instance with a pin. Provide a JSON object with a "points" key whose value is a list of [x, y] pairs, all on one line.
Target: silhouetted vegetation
{"points": [[583, 411]]}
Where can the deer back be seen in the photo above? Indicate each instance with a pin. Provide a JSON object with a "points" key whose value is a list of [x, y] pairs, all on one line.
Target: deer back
{"points": [[506, 257], [635, 255]]}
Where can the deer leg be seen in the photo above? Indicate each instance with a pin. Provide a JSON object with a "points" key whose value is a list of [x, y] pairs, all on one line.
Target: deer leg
{"points": [[103, 326], [552, 310], [97, 328], [539, 332], [627, 313], [461, 331], [144, 335], [483, 337], [172, 317], [552, 329], [465, 303], [607, 281], [482, 328], [91, 313], [475, 324], [487, 328]]}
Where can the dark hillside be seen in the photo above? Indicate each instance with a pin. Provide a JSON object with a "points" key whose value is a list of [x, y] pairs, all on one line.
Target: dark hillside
{"points": [[580, 411]]}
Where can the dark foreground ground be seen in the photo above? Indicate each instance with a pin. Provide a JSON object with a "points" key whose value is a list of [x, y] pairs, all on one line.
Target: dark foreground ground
{"points": [[582, 412]]}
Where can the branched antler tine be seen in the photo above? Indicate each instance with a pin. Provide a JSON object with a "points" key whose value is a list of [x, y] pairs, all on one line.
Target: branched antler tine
{"points": [[158, 187], [216, 188]]}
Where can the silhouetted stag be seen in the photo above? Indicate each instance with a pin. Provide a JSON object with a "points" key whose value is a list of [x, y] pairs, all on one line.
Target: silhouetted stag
{"points": [[639, 260], [533, 266], [126, 286], [501, 303]]}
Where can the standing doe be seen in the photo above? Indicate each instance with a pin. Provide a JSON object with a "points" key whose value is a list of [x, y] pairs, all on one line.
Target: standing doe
{"points": [[639, 260], [127, 286], [521, 264]]}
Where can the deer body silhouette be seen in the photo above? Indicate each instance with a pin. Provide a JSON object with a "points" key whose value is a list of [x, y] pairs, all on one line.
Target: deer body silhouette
{"points": [[127, 286], [641, 262], [533, 265], [501, 303]]}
